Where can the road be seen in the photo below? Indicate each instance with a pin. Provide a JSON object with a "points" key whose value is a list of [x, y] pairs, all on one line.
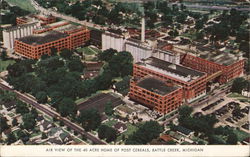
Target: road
{"points": [[66, 17], [211, 7], [51, 113]]}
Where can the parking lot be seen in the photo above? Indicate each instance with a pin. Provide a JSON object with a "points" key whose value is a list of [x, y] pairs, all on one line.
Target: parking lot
{"points": [[223, 108]]}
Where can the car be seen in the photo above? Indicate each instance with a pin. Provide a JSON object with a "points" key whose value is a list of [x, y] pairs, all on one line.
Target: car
{"points": [[245, 126], [229, 120]]}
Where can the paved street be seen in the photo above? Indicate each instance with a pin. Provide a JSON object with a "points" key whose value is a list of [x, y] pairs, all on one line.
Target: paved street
{"points": [[52, 113]]}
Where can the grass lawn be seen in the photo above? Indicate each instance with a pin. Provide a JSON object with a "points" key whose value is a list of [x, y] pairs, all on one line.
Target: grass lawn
{"points": [[241, 134], [11, 114], [239, 97], [4, 64], [86, 51], [24, 4], [130, 130], [35, 134], [110, 123], [95, 49]]}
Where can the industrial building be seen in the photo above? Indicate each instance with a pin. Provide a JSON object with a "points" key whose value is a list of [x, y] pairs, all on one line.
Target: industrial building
{"points": [[192, 81], [221, 67], [67, 36], [15, 32], [43, 19], [156, 94]]}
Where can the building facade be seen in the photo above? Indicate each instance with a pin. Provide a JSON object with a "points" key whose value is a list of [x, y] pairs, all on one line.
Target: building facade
{"points": [[156, 94], [39, 44], [16, 32], [229, 66], [192, 81], [44, 20]]}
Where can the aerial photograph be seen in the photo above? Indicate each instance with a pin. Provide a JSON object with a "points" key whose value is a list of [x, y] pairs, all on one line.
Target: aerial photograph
{"points": [[124, 72]]}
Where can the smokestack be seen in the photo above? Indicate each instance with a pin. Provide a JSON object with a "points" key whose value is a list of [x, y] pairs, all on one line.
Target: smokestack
{"points": [[143, 29]]}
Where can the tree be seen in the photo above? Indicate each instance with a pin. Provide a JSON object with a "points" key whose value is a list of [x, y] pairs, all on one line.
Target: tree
{"points": [[14, 122], [23, 136], [66, 53], [42, 97], [236, 111], [53, 51], [21, 107], [238, 85], [146, 133], [34, 112], [90, 119], [107, 55], [109, 108], [67, 107], [29, 121], [75, 65], [44, 136], [11, 138], [232, 139], [107, 132], [4, 55], [4, 125]]}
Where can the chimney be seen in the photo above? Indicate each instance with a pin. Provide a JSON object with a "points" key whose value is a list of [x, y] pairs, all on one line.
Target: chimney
{"points": [[143, 29]]}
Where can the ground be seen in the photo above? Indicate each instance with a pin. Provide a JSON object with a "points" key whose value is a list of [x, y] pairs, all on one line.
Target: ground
{"points": [[24, 4], [4, 64]]}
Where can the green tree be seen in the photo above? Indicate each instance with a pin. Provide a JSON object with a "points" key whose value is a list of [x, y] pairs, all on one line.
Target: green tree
{"points": [[42, 97], [146, 133], [107, 55], [90, 119], [29, 121], [75, 65], [109, 108], [66, 53], [11, 138], [238, 85], [4, 55], [108, 133], [67, 107], [21, 107], [14, 122], [4, 125], [232, 139]]}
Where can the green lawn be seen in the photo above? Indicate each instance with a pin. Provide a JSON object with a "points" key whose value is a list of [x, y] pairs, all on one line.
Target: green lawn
{"points": [[110, 123], [4, 64], [86, 51], [239, 97], [130, 130], [24, 4], [241, 134]]}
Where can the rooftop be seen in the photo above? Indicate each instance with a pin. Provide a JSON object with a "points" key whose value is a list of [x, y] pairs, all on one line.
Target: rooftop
{"points": [[174, 70], [38, 39], [156, 86], [222, 58]]}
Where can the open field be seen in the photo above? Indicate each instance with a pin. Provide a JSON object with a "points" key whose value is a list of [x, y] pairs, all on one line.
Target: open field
{"points": [[24, 4], [4, 64]]}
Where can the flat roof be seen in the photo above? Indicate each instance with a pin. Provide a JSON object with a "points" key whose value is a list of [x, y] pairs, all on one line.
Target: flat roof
{"points": [[38, 39], [174, 70], [155, 85], [67, 27], [222, 58]]}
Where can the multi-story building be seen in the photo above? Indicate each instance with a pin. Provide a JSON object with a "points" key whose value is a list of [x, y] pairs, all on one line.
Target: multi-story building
{"points": [[15, 32], [192, 81], [68, 36], [156, 94], [31, 18], [224, 66]]}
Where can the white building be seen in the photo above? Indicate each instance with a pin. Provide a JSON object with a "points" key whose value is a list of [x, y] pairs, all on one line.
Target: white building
{"points": [[15, 32], [139, 50]]}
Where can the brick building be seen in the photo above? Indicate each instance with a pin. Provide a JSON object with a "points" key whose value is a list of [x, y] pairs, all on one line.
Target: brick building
{"points": [[192, 81], [156, 94], [226, 65], [31, 18], [68, 36]]}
